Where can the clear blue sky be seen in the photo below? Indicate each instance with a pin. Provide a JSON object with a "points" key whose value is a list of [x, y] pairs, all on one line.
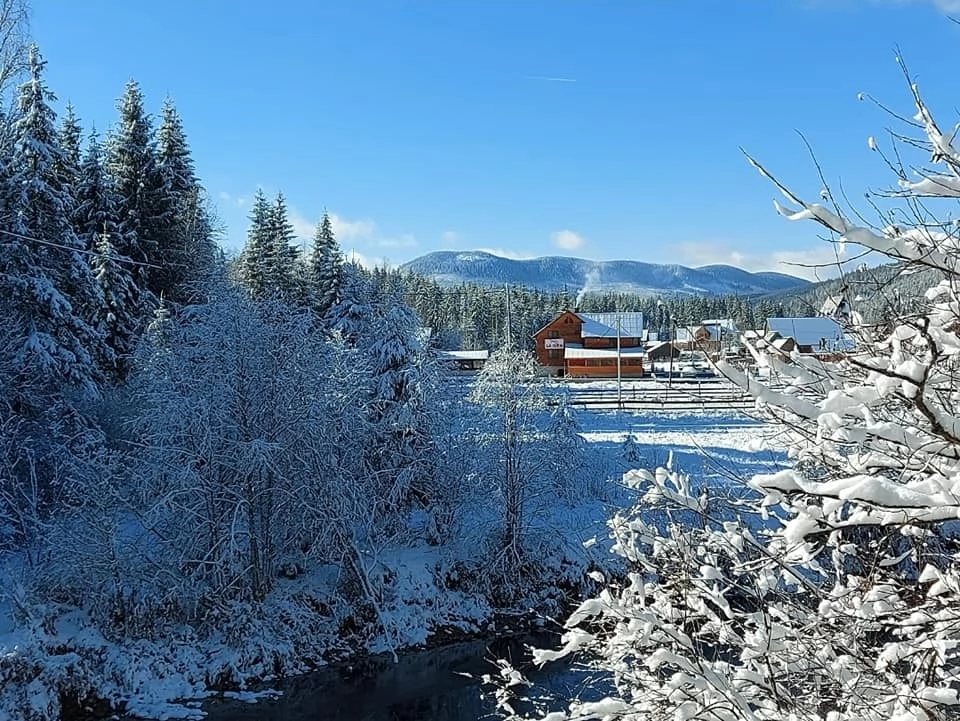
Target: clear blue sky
{"points": [[597, 128]]}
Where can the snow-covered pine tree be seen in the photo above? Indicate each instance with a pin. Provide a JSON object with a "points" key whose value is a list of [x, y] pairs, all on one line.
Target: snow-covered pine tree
{"points": [[119, 320], [351, 316], [325, 267], [400, 451], [185, 245], [96, 209], [832, 591], [283, 269], [251, 266], [134, 172], [48, 285], [47, 357], [68, 164]]}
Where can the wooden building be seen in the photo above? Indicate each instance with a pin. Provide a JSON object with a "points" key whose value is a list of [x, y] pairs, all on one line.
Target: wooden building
{"points": [[585, 344], [465, 360]]}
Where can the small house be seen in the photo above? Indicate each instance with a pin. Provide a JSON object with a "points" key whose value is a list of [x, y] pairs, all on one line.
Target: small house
{"points": [[465, 360], [812, 336], [562, 344]]}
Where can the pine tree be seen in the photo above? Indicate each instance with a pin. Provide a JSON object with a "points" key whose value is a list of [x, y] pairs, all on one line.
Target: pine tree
{"points": [[186, 249], [400, 450], [48, 288], [132, 166], [325, 270], [251, 269], [68, 165], [96, 210], [282, 255], [119, 321], [351, 316]]}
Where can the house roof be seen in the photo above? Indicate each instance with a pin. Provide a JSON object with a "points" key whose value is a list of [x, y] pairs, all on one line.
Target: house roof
{"points": [[559, 316], [811, 331], [717, 326], [604, 325], [683, 335], [834, 306], [465, 354], [569, 352]]}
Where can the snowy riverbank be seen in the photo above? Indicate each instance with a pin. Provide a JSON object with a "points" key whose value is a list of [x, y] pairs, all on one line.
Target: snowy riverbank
{"points": [[53, 654]]}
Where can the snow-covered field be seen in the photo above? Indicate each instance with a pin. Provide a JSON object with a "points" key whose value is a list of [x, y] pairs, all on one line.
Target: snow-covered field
{"points": [[49, 647]]}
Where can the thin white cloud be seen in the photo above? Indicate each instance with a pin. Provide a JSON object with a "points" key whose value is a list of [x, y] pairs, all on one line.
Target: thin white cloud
{"points": [[450, 237], [360, 232], [302, 227], [366, 261], [406, 240], [568, 240], [347, 230], [550, 79], [817, 263], [237, 201], [946, 6]]}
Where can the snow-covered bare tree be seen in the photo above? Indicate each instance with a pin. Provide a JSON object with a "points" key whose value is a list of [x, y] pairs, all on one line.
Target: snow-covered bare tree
{"points": [[231, 450], [832, 590], [14, 43], [510, 389]]}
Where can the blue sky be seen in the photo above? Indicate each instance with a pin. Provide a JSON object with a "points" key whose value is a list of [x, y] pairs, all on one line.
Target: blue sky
{"points": [[606, 129]]}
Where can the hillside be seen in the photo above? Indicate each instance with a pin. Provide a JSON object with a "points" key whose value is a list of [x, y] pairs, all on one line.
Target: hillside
{"points": [[554, 273], [878, 293]]}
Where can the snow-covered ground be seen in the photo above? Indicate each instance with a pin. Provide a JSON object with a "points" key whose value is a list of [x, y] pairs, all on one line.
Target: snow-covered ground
{"points": [[48, 647]]}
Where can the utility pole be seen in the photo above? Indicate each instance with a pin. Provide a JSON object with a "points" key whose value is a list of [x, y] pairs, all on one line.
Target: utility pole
{"points": [[619, 371], [673, 336], [509, 324]]}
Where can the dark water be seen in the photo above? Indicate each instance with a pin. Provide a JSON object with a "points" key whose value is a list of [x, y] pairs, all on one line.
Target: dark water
{"points": [[422, 686]]}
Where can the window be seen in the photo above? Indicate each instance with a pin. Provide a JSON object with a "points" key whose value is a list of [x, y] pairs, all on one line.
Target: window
{"points": [[553, 334], [553, 354]]}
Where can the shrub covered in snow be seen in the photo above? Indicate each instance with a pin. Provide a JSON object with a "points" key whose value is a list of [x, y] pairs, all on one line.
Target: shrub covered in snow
{"points": [[834, 592]]}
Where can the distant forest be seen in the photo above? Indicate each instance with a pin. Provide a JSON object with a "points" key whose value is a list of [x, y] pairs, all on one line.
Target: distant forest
{"points": [[474, 316]]}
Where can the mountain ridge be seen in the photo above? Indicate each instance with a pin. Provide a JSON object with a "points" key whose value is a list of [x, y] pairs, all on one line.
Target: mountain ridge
{"points": [[554, 273]]}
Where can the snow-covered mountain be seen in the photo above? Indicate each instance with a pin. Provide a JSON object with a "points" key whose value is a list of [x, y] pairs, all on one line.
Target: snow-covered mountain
{"points": [[575, 274]]}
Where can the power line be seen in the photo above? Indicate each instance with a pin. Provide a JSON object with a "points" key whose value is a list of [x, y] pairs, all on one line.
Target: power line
{"points": [[82, 251]]}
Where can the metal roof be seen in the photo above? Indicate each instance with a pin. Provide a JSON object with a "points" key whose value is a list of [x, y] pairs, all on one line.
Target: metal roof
{"points": [[604, 325], [602, 352], [466, 354], [814, 332]]}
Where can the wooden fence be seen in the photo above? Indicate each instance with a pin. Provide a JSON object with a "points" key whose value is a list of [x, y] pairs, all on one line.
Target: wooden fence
{"points": [[686, 395]]}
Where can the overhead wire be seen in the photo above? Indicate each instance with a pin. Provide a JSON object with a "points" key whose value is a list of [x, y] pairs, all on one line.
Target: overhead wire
{"points": [[82, 251]]}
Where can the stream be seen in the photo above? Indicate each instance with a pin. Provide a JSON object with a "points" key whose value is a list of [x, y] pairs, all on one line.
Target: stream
{"points": [[424, 685]]}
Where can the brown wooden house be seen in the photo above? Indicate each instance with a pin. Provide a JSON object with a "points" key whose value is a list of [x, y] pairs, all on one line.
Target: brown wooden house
{"points": [[585, 344]]}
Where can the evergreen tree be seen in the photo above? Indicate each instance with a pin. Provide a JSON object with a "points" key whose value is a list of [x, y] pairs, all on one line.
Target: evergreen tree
{"points": [[132, 165], [400, 450], [282, 255], [186, 249], [251, 269], [325, 270], [68, 165], [48, 288], [119, 320], [96, 210], [351, 316]]}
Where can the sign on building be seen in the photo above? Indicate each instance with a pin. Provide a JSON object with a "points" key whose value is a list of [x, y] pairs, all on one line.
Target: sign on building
{"points": [[553, 343]]}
